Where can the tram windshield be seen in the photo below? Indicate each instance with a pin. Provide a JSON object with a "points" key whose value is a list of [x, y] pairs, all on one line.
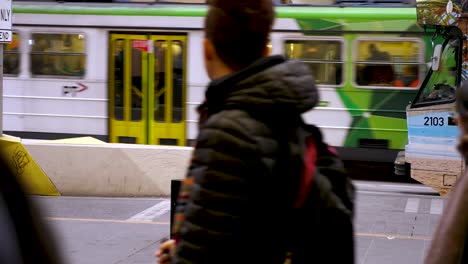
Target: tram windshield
{"points": [[449, 17], [441, 82]]}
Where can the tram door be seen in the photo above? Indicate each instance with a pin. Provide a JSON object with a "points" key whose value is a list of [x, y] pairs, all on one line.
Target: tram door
{"points": [[147, 89]]}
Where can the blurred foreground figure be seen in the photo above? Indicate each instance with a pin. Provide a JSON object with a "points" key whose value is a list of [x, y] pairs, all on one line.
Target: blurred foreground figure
{"points": [[24, 237], [450, 241]]}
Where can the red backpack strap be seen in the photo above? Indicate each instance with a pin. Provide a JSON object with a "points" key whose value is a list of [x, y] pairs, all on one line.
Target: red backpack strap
{"points": [[307, 172]]}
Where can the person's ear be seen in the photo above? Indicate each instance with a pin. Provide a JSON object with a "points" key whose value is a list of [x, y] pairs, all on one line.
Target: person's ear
{"points": [[209, 55], [208, 50]]}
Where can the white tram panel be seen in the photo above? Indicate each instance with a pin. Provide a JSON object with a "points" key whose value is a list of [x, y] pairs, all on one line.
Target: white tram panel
{"points": [[59, 104], [197, 80]]}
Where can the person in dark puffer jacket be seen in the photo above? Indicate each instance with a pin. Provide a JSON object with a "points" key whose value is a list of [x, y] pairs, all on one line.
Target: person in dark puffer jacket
{"points": [[231, 208]]}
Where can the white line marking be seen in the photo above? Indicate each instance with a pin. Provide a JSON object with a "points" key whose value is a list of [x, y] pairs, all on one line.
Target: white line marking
{"points": [[374, 186], [412, 205], [106, 221], [437, 206], [152, 212]]}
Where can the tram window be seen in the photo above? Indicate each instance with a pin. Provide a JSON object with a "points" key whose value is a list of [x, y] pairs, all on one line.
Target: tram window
{"points": [[11, 57], [323, 57], [177, 82], [160, 47], [389, 63], [57, 54], [119, 54], [137, 80]]}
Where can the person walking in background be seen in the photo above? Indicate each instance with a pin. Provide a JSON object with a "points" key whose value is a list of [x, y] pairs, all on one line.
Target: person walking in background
{"points": [[450, 241], [232, 206]]}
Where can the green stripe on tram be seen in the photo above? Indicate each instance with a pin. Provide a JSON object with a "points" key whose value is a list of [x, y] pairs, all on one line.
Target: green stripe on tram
{"points": [[352, 13], [335, 13], [158, 10]]}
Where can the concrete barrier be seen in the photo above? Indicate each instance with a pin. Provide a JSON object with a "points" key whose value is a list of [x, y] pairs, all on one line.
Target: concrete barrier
{"points": [[103, 169]]}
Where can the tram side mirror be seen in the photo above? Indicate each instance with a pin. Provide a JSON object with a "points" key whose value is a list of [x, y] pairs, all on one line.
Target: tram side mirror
{"points": [[436, 57]]}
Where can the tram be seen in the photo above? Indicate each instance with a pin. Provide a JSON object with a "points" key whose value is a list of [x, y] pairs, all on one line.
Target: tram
{"points": [[133, 73], [430, 154]]}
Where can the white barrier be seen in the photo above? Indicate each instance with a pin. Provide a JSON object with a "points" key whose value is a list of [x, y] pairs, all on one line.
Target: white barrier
{"points": [[110, 169]]}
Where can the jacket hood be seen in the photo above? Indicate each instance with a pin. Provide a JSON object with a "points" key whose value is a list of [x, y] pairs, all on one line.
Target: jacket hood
{"points": [[270, 86]]}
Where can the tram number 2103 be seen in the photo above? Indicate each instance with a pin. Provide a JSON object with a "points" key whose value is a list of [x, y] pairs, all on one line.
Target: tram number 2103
{"points": [[433, 121]]}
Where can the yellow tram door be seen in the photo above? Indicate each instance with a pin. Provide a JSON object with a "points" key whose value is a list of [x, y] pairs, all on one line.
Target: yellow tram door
{"points": [[167, 90], [141, 81]]}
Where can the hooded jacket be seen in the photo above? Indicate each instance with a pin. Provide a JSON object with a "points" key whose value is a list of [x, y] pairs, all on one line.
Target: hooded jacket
{"points": [[231, 208]]}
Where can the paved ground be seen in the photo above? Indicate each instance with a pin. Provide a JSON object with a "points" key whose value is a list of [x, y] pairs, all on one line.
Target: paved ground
{"points": [[395, 228], [391, 227]]}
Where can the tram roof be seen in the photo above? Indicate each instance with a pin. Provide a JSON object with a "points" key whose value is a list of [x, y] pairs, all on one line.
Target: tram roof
{"points": [[360, 12]]}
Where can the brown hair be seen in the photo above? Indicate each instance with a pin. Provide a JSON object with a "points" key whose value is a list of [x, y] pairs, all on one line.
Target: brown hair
{"points": [[239, 29]]}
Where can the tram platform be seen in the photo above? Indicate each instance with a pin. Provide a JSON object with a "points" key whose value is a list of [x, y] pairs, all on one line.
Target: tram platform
{"points": [[393, 225]]}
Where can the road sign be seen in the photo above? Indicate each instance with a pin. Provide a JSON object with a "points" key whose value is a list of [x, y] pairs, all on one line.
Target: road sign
{"points": [[6, 15], [5, 36]]}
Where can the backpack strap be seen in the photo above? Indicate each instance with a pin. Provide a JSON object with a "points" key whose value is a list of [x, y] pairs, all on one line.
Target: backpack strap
{"points": [[308, 168]]}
